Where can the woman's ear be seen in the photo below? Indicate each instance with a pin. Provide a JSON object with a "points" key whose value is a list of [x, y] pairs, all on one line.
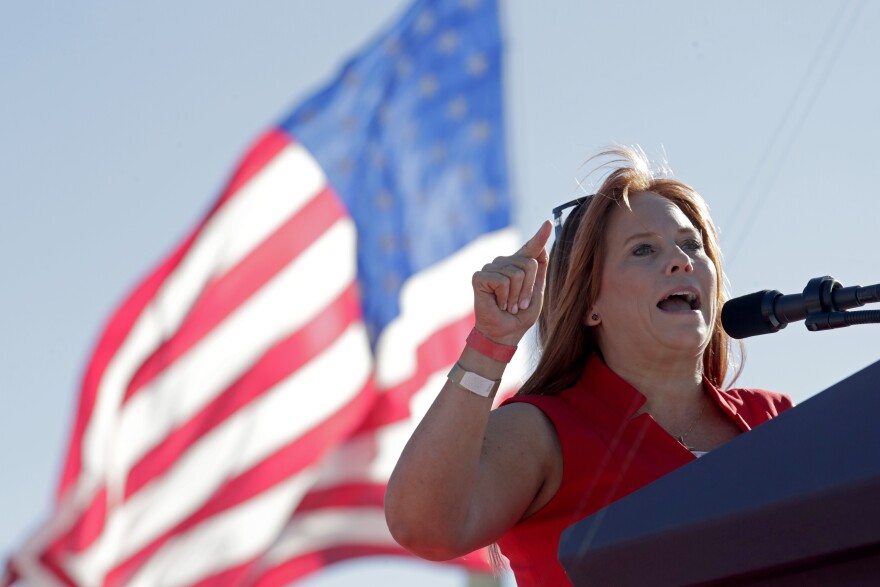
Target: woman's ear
{"points": [[593, 319]]}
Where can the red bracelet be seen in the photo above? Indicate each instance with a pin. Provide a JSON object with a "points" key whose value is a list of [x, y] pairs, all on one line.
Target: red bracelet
{"points": [[485, 346]]}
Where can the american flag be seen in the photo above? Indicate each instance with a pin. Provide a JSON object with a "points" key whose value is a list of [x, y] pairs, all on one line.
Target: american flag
{"points": [[244, 406]]}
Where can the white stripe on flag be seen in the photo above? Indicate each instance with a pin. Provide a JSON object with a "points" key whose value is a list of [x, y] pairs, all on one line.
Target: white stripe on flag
{"points": [[243, 440], [232, 537], [315, 531], [222, 356], [370, 457], [273, 195], [432, 299]]}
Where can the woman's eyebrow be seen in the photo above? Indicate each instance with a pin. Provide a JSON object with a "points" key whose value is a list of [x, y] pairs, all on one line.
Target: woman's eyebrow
{"points": [[685, 230], [640, 236]]}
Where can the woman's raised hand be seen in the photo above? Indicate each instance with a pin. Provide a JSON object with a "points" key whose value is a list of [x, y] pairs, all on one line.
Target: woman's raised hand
{"points": [[509, 291]]}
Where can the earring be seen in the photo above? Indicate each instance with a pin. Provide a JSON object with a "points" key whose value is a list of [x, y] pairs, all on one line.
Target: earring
{"points": [[595, 316]]}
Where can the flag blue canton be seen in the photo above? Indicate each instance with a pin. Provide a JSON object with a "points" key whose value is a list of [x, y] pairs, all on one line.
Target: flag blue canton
{"points": [[411, 138]]}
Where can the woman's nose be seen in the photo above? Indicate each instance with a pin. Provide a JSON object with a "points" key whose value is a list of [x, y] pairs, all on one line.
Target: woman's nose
{"points": [[679, 261]]}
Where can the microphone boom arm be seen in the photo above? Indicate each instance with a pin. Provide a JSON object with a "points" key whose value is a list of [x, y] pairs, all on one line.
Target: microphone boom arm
{"points": [[831, 320], [825, 301]]}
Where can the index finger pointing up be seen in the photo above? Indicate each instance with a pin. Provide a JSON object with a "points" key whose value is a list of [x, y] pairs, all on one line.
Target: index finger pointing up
{"points": [[534, 247]]}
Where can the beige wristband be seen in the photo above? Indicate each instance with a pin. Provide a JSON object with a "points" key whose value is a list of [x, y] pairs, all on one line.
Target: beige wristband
{"points": [[472, 382]]}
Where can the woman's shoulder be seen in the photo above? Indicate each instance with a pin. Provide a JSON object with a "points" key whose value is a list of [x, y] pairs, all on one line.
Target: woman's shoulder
{"points": [[527, 419], [526, 413], [521, 432], [524, 418]]}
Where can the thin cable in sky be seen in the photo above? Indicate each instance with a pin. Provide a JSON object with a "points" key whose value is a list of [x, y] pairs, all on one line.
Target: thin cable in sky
{"points": [[778, 148]]}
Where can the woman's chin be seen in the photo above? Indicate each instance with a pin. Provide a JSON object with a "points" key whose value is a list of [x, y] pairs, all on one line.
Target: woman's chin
{"points": [[688, 342]]}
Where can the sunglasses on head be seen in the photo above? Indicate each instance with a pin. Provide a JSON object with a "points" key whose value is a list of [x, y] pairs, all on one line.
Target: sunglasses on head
{"points": [[558, 211]]}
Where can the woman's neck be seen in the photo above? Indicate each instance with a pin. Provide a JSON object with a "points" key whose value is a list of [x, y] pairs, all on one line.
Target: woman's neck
{"points": [[670, 384]]}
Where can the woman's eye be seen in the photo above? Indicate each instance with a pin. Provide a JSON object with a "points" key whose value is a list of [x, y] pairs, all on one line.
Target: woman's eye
{"points": [[642, 250], [692, 245]]}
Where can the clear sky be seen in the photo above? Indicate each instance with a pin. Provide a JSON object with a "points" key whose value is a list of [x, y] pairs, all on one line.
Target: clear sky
{"points": [[120, 122]]}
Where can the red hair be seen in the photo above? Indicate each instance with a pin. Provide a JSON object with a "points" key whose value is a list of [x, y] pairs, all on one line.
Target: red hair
{"points": [[575, 269]]}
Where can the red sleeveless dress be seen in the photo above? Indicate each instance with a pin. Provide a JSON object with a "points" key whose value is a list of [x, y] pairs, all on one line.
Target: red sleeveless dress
{"points": [[606, 455]]}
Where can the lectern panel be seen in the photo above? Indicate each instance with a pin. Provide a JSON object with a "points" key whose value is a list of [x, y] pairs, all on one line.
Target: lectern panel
{"points": [[796, 495]]}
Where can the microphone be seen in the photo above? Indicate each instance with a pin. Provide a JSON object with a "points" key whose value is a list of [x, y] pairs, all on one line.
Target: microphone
{"points": [[822, 304]]}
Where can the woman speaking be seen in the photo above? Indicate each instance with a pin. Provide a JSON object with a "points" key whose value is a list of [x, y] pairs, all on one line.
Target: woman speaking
{"points": [[628, 386]]}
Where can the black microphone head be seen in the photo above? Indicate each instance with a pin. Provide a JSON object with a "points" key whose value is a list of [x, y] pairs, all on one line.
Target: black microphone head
{"points": [[749, 315]]}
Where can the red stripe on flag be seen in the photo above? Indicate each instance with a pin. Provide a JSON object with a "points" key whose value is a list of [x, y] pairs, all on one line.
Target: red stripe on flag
{"points": [[86, 529], [236, 575], [440, 350], [347, 495], [265, 149], [9, 575], [49, 560], [114, 335], [280, 466], [251, 575], [119, 325], [297, 568], [224, 295], [277, 364]]}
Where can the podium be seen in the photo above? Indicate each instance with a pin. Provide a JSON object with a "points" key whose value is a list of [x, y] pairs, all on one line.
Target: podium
{"points": [[794, 502]]}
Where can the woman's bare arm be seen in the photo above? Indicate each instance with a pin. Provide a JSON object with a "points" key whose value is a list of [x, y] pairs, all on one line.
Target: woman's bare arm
{"points": [[467, 474]]}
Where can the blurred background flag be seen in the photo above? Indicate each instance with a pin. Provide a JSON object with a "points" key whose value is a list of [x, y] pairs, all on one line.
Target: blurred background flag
{"points": [[244, 406]]}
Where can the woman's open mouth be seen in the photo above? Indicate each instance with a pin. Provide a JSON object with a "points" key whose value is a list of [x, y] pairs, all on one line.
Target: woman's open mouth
{"points": [[679, 301]]}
